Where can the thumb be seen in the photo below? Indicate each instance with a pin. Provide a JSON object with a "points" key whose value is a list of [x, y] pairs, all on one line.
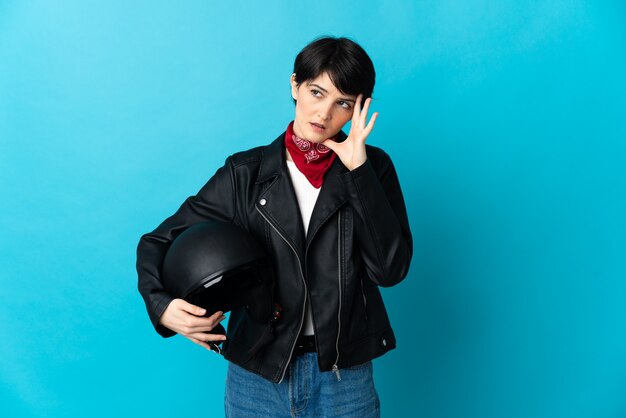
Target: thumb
{"points": [[330, 144], [192, 309]]}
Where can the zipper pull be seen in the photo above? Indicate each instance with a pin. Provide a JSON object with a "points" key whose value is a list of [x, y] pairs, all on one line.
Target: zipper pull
{"points": [[336, 371]]}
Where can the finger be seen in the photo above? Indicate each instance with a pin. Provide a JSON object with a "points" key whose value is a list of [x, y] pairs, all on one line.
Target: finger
{"points": [[357, 109], [191, 308], [370, 125], [366, 106], [202, 344], [216, 316], [195, 323], [190, 330], [330, 144], [207, 336], [202, 327]]}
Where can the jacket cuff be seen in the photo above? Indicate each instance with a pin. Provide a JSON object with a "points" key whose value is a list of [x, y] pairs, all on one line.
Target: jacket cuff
{"points": [[160, 307], [364, 170]]}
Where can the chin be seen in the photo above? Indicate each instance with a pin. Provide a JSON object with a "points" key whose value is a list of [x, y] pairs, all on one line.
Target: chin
{"points": [[321, 137], [314, 136], [317, 139]]}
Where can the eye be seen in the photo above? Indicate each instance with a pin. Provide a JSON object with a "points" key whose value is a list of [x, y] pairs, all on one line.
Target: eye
{"points": [[343, 104], [314, 92]]}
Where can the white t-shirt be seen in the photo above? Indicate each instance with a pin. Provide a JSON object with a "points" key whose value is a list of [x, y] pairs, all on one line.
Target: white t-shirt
{"points": [[306, 195]]}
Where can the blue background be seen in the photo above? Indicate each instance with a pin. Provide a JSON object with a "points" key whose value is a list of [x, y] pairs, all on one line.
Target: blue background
{"points": [[506, 124]]}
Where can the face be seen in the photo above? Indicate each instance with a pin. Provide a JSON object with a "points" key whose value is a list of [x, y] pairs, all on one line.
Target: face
{"points": [[321, 109]]}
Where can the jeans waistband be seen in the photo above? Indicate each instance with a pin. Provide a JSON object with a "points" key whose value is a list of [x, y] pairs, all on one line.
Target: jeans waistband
{"points": [[304, 344]]}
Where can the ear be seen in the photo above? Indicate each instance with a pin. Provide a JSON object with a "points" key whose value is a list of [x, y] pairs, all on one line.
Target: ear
{"points": [[294, 86]]}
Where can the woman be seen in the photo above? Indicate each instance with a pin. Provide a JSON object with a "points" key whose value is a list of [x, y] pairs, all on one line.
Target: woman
{"points": [[331, 213]]}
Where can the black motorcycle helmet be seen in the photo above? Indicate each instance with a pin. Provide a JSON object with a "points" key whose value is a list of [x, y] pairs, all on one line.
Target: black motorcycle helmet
{"points": [[220, 267]]}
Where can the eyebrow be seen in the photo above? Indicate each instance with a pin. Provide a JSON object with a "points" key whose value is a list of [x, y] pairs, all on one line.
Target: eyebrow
{"points": [[345, 99]]}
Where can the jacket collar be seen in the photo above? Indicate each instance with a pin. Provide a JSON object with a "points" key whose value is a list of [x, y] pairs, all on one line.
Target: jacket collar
{"points": [[280, 203], [273, 157]]}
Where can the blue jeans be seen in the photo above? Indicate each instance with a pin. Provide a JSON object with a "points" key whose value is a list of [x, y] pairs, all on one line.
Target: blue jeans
{"points": [[304, 392]]}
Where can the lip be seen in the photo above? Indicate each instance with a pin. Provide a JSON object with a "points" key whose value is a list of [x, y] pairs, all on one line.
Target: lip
{"points": [[317, 128]]}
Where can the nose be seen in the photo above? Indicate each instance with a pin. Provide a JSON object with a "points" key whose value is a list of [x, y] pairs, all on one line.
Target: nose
{"points": [[325, 111]]}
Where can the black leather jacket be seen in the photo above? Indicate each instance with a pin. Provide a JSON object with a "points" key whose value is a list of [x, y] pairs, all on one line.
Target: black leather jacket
{"points": [[358, 239]]}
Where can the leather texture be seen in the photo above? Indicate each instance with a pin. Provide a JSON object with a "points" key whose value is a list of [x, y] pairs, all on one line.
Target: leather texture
{"points": [[358, 240]]}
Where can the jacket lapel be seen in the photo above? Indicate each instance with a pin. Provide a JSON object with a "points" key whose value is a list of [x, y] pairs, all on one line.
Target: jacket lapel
{"points": [[331, 197], [278, 201]]}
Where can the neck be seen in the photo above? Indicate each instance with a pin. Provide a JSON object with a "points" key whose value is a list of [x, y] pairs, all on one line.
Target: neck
{"points": [[296, 130]]}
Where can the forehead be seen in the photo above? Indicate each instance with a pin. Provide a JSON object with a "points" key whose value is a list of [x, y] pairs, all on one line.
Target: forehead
{"points": [[323, 80]]}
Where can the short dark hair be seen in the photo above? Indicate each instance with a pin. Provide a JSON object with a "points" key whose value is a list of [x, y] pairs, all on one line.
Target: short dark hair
{"points": [[349, 67]]}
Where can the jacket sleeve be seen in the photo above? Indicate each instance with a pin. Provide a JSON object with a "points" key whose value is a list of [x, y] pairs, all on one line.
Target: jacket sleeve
{"points": [[215, 200], [381, 222]]}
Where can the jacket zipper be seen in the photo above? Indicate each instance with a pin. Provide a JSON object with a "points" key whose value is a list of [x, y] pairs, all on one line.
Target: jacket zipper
{"points": [[305, 290], [335, 367]]}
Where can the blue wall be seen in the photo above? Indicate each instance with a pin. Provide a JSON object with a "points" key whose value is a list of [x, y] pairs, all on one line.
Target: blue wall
{"points": [[505, 121]]}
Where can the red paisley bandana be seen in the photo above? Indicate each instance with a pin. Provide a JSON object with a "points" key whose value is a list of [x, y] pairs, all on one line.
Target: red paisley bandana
{"points": [[313, 160]]}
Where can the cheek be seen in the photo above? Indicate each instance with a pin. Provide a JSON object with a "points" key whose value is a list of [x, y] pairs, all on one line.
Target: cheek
{"points": [[306, 106], [345, 116], [300, 108]]}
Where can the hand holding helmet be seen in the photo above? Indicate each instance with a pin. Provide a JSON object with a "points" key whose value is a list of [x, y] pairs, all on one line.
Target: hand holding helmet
{"points": [[211, 268], [189, 321]]}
